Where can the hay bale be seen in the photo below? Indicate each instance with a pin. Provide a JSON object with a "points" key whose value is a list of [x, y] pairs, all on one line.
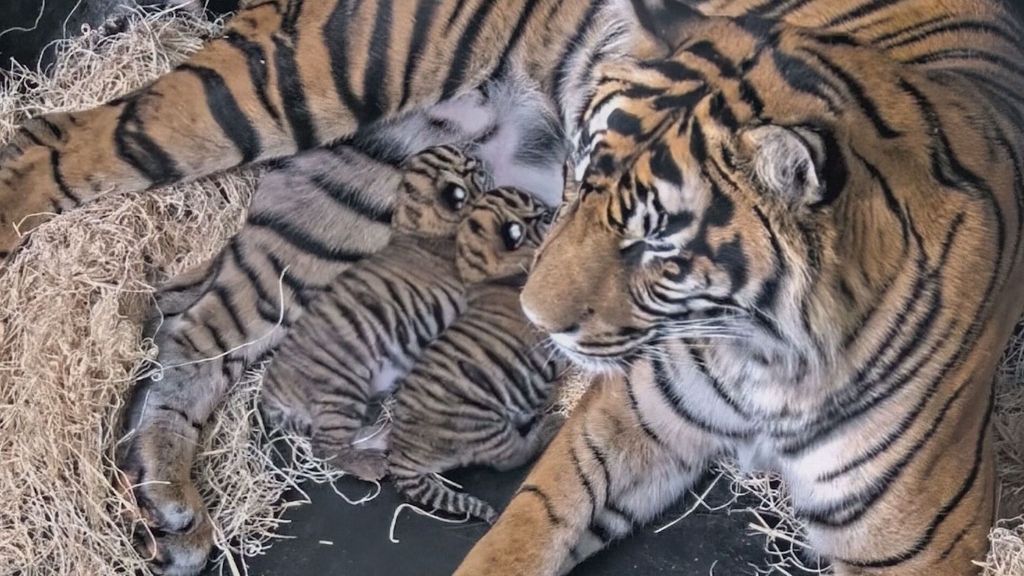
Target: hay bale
{"points": [[70, 307]]}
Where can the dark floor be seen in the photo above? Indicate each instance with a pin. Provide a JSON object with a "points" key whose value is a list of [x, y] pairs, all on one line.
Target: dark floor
{"points": [[358, 538], [28, 27]]}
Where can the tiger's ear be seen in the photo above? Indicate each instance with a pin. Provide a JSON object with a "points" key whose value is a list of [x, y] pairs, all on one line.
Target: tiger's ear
{"points": [[787, 162], [661, 23]]}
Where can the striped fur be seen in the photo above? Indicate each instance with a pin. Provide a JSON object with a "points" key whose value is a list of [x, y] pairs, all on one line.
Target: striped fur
{"points": [[366, 331], [797, 240], [311, 219], [477, 394], [909, 111]]}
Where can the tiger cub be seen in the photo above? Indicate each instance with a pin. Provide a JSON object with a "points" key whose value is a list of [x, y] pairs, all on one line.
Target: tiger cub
{"points": [[476, 394], [365, 331]]}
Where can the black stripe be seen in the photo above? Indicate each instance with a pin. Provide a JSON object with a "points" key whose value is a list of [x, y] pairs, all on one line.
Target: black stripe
{"points": [[851, 404], [226, 112], [663, 21], [926, 539], [58, 179], [375, 78], [353, 199], [802, 77], [256, 61], [602, 461], [549, 507], [181, 414], [959, 537], [466, 49], [422, 21], [517, 36], [218, 338], [958, 26], [918, 26], [571, 49], [301, 239], [293, 96], [775, 9], [635, 407], [224, 295], [456, 13], [585, 481], [291, 17], [251, 274], [664, 386], [859, 12], [716, 385], [289, 280], [969, 54], [707, 51], [185, 342], [854, 507], [141, 152], [859, 93], [336, 35], [951, 172]]}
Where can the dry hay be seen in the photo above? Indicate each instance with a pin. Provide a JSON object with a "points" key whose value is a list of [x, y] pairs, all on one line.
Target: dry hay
{"points": [[70, 305]]}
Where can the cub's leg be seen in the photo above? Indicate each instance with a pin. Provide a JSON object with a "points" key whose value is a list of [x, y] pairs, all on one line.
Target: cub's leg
{"points": [[414, 467], [519, 449], [287, 75], [610, 468]]}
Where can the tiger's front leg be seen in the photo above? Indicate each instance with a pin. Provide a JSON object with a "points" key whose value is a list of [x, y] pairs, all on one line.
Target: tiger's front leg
{"points": [[309, 221], [609, 469]]}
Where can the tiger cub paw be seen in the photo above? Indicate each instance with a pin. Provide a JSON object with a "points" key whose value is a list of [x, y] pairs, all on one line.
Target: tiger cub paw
{"points": [[368, 465]]}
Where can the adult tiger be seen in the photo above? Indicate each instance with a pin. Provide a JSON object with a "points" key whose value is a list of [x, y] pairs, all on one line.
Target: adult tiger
{"points": [[800, 239], [832, 83]]}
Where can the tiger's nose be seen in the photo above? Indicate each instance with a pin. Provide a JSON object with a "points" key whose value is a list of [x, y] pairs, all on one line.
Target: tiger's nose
{"points": [[566, 323]]}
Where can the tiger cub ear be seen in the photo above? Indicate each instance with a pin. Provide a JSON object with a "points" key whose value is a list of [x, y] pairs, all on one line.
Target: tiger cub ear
{"points": [[786, 162]]}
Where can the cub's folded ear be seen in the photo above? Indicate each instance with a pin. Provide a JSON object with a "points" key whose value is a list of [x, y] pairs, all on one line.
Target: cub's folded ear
{"points": [[787, 162]]}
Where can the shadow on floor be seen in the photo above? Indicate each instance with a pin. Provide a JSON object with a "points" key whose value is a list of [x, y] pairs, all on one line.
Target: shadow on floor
{"points": [[358, 545]]}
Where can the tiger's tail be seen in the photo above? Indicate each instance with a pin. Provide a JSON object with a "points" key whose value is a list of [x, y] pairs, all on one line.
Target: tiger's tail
{"points": [[430, 490]]}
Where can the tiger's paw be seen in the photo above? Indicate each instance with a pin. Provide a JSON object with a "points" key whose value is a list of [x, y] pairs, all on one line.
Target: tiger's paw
{"points": [[171, 554], [174, 531], [23, 204], [33, 187]]}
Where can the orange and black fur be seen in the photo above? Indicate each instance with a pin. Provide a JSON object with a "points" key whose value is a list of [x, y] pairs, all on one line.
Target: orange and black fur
{"points": [[478, 394], [366, 331], [797, 234]]}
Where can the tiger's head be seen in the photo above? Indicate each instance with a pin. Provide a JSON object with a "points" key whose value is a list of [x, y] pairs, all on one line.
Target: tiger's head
{"points": [[704, 207], [438, 186], [500, 235]]}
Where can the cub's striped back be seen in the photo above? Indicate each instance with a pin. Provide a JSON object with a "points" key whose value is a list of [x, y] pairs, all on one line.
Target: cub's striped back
{"points": [[477, 394], [376, 318]]}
